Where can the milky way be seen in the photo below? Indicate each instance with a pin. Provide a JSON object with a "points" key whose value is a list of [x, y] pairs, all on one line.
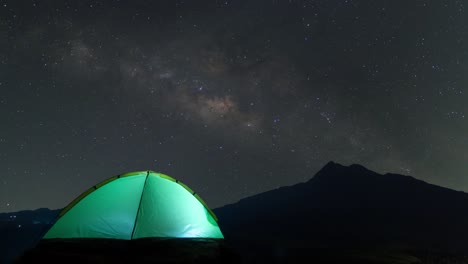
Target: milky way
{"points": [[232, 98]]}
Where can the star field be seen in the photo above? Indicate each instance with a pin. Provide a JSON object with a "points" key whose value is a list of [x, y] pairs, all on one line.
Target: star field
{"points": [[232, 98]]}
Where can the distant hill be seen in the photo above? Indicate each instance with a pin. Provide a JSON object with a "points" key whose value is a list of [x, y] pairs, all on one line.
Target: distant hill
{"points": [[340, 211], [350, 207], [21, 230]]}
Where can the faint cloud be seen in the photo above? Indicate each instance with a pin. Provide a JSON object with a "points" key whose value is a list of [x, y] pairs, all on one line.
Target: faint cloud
{"points": [[79, 58], [213, 61], [166, 75], [217, 106], [222, 111], [81, 52]]}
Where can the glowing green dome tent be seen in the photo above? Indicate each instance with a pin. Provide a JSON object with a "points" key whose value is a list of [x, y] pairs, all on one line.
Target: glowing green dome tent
{"points": [[136, 205]]}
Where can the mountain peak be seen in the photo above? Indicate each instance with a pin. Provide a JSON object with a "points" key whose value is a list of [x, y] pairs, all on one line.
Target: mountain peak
{"points": [[333, 169], [332, 164], [345, 205]]}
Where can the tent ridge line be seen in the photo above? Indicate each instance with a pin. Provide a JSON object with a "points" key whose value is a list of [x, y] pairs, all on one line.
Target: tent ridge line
{"points": [[82, 195], [139, 205]]}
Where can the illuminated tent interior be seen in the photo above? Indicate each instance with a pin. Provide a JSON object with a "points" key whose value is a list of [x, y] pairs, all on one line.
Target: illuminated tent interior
{"points": [[136, 205], [138, 217]]}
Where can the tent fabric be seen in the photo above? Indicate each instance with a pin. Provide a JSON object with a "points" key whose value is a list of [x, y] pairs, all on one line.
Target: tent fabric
{"points": [[137, 205]]}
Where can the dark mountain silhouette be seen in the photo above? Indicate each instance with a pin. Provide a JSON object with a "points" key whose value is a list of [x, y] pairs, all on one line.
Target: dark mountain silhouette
{"points": [[350, 208], [22, 230], [342, 211]]}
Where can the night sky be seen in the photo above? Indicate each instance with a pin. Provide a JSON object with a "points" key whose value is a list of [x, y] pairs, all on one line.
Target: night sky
{"points": [[232, 98]]}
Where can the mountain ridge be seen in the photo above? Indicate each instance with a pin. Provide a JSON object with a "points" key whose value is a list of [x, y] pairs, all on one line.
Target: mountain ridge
{"points": [[351, 205], [339, 207], [333, 172]]}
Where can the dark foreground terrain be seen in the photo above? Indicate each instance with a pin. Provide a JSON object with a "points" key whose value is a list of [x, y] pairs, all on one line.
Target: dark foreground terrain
{"points": [[341, 215], [182, 250]]}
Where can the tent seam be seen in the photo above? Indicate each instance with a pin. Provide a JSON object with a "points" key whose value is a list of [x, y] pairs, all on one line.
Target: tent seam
{"points": [[139, 205]]}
